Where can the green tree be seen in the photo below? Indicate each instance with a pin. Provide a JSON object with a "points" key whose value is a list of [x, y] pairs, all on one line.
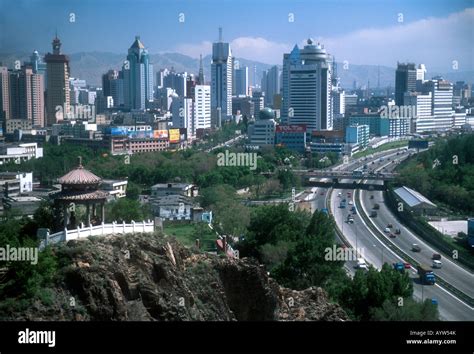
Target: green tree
{"points": [[409, 311], [126, 210]]}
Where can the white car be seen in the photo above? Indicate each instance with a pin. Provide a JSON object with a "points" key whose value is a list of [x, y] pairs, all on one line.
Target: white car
{"points": [[350, 202], [437, 264], [361, 264], [386, 230]]}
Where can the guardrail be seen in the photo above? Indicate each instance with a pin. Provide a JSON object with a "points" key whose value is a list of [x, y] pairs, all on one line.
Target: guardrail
{"points": [[460, 294], [113, 228]]}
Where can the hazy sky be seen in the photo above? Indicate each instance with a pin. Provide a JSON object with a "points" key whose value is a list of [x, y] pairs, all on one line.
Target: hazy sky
{"points": [[435, 32]]}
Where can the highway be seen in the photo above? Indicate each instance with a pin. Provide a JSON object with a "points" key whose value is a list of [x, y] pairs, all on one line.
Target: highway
{"points": [[452, 272], [376, 253]]}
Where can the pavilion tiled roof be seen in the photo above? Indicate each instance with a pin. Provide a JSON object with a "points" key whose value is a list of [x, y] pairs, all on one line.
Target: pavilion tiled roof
{"points": [[73, 196], [79, 176]]}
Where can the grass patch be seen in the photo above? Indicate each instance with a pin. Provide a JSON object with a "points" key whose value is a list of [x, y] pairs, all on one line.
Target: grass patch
{"points": [[187, 233]]}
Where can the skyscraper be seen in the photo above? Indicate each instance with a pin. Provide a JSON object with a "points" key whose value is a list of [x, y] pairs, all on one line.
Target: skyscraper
{"points": [[4, 93], [107, 81], [57, 89], [182, 112], [137, 77], [405, 81], [241, 81], [307, 87], [271, 84], [221, 81], [27, 96], [201, 79], [202, 107], [176, 81]]}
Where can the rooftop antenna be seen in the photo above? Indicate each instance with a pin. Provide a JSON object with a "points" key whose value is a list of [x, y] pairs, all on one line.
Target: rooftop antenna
{"points": [[220, 34]]}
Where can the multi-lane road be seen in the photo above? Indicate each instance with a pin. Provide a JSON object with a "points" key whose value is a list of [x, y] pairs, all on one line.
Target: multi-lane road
{"points": [[376, 252]]}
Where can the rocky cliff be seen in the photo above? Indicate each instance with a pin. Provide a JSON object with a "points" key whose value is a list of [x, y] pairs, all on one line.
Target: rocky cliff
{"points": [[152, 277]]}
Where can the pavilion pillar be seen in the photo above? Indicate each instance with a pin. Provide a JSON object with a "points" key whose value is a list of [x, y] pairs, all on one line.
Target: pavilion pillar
{"points": [[102, 209], [93, 210], [66, 216], [88, 214]]}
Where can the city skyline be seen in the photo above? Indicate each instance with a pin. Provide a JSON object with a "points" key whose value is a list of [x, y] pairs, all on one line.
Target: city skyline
{"points": [[436, 36]]}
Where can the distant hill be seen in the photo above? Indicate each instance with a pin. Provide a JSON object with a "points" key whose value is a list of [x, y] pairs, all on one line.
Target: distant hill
{"points": [[91, 65]]}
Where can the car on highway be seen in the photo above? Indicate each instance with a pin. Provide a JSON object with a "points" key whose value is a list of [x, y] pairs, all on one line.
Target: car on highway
{"points": [[436, 256], [389, 226], [434, 301], [437, 264], [371, 197], [376, 206], [397, 231], [361, 264], [339, 194], [373, 214], [386, 230], [351, 202], [415, 248], [392, 235], [407, 265]]}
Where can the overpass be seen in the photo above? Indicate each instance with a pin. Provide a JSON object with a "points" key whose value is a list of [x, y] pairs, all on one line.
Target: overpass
{"points": [[335, 175]]}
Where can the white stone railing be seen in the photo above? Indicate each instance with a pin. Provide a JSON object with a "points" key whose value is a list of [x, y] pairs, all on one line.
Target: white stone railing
{"points": [[99, 230]]}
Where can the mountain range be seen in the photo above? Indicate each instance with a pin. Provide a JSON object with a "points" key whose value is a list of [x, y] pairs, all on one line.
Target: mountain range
{"points": [[91, 65]]}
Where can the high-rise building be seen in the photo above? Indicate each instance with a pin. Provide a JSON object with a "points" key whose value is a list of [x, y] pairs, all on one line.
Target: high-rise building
{"points": [[221, 81], [164, 96], [405, 81], [241, 81], [202, 107], [176, 81], [182, 111], [137, 77], [307, 88], [262, 132], [116, 91], [38, 66], [271, 84], [27, 96], [258, 100], [57, 89], [107, 82], [4, 93], [339, 102], [160, 77], [201, 80]]}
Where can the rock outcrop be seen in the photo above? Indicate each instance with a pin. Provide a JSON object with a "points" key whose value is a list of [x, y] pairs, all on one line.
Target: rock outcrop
{"points": [[145, 277]]}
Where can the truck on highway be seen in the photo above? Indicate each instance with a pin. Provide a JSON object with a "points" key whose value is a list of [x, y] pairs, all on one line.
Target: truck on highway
{"points": [[426, 275]]}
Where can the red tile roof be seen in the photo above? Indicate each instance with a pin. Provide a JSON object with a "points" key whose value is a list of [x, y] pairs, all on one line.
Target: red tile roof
{"points": [[79, 176]]}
